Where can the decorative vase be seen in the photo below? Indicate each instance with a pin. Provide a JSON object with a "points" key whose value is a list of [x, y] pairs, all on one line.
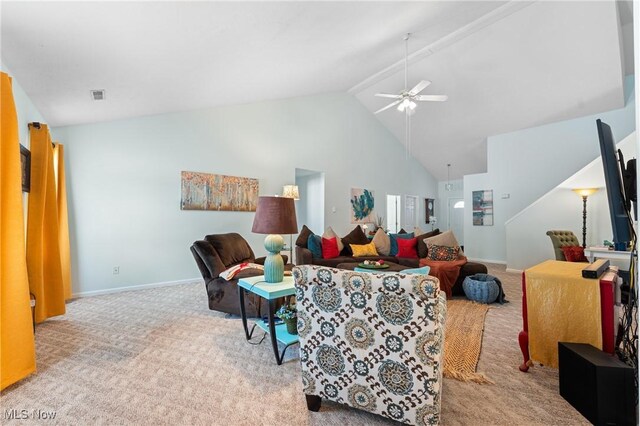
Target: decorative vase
{"points": [[292, 325]]}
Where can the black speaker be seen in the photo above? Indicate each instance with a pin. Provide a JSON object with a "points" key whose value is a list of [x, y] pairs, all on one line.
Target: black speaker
{"points": [[597, 384]]}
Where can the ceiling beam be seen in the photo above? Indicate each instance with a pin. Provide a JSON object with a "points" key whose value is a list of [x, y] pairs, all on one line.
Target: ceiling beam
{"points": [[480, 23]]}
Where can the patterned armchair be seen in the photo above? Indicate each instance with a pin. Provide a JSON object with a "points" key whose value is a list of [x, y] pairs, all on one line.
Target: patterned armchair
{"points": [[372, 341]]}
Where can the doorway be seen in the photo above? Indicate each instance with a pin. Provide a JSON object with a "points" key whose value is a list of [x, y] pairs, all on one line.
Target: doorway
{"points": [[310, 207], [456, 218], [393, 213]]}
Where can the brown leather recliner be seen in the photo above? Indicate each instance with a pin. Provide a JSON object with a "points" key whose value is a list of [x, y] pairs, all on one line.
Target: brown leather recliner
{"points": [[217, 253]]}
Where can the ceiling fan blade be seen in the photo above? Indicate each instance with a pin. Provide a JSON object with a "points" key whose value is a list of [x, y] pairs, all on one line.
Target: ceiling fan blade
{"points": [[392, 104], [436, 98], [388, 95], [419, 87]]}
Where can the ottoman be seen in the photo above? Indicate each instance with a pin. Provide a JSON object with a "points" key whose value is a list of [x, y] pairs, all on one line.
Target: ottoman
{"points": [[481, 288]]}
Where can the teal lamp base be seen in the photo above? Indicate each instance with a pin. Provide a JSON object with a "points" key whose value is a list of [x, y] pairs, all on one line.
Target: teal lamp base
{"points": [[273, 264]]}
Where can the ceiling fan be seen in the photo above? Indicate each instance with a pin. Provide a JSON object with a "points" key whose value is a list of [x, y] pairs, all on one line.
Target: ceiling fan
{"points": [[407, 99]]}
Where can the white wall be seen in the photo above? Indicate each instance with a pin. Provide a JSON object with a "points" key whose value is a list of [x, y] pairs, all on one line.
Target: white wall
{"points": [[26, 110], [561, 209], [527, 164], [123, 178]]}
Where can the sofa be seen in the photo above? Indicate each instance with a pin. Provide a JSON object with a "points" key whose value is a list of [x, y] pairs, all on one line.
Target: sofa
{"points": [[217, 253], [305, 257], [372, 341]]}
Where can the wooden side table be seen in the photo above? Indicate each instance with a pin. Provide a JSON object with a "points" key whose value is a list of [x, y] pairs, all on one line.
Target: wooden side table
{"points": [[270, 292]]}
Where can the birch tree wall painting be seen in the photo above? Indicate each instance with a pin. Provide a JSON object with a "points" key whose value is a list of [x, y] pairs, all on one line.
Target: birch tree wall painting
{"points": [[205, 191]]}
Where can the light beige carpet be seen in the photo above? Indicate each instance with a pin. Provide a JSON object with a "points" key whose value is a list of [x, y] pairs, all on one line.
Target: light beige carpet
{"points": [[159, 356], [463, 340]]}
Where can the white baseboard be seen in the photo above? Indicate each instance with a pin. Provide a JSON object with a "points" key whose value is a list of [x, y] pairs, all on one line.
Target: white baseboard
{"points": [[499, 262], [134, 287], [517, 271]]}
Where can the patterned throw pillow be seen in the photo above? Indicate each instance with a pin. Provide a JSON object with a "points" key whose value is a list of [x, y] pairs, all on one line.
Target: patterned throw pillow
{"points": [[363, 250], [330, 248], [574, 254], [407, 248], [436, 252], [444, 239]]}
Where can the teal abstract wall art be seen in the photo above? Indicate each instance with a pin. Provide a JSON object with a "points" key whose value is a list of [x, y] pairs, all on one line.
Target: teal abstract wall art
{"points": [[362, 204]]}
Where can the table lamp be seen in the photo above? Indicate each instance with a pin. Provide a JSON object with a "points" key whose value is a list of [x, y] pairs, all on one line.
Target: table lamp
{"points": [[274, 216], [584, 193]]}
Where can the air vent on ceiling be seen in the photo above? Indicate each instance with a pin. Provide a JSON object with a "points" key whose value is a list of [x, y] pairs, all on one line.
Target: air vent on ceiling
{"points": [[97, 95]]}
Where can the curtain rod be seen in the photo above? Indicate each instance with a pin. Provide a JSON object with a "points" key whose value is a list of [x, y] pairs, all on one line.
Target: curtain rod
{"points": [[37, 126]]}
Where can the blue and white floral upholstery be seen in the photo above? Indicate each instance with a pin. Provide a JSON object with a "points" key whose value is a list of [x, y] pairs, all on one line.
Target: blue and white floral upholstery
{"points": [[372, 341]]}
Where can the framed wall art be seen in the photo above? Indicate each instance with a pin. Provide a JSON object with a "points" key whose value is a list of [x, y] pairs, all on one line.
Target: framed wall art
{"points": [[205, 191], [362, 204], [25, 163], [482, 208]]}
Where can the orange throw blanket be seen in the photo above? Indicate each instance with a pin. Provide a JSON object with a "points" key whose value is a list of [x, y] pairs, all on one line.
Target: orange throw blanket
{"points": [[447, 271]]}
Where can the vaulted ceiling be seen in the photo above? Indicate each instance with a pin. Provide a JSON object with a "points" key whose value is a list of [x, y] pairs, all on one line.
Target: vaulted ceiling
{"points": [[504, 65]]}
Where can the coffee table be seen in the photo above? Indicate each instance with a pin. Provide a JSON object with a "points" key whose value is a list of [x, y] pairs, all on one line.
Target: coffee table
{"points": [[271, 292], [393, 267]]}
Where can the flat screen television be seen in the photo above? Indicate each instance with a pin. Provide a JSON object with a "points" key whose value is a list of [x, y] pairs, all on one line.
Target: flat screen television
{"points": [[620, 214]]}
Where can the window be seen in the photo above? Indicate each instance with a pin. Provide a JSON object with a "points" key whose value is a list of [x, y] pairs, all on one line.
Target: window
{"points": [[459, 205]]}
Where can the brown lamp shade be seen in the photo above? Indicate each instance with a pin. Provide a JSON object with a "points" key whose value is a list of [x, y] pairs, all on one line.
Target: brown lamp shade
{"points": [[275, 215]]}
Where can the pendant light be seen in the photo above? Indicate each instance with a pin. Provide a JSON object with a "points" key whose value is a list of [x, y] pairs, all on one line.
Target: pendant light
{"points": [[449, 185]]}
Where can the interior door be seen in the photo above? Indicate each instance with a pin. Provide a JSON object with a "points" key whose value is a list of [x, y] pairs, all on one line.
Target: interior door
{"points": [[410, 212]]}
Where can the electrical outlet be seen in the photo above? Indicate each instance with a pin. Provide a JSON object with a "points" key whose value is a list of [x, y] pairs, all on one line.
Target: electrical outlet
{"points": [[116, 270]]}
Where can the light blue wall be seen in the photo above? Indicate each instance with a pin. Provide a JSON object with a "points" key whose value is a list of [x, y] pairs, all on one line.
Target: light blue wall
{"points": [[26, 110], [529, 163], [123, 178]]}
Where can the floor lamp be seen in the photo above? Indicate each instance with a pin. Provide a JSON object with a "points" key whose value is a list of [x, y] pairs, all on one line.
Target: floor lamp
{"points": [[584, 193], [291, 191]]}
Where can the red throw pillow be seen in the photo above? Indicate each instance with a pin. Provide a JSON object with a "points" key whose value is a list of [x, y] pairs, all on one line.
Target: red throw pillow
{"points": [[330, 248], [407, 248], [574, 254]]}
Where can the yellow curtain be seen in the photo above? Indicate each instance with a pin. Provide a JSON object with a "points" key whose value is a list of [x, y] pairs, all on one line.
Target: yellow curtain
{"points": [[63, 219], [17, 349], [43, 238]]}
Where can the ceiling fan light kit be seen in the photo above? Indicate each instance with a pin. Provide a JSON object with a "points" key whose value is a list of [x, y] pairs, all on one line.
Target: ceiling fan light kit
{"points": [[406, 100]]}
